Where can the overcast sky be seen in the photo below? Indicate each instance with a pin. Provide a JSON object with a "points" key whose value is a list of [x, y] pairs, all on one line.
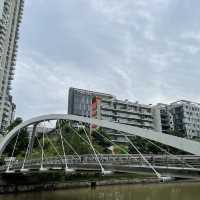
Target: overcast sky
{"points": [[141, 50]]}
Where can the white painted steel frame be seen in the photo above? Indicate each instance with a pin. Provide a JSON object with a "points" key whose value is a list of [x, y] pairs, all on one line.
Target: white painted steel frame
{"points": [[173, 141]]}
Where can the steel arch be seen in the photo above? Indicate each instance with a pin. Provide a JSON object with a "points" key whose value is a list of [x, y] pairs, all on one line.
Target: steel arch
{"points": [[190, 146]]}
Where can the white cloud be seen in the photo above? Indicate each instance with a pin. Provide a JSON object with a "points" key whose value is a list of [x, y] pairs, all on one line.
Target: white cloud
{"points": [[194, 35], [136, 50]]}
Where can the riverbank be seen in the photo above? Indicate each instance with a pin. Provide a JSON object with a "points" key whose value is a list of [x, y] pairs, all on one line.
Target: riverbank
{"points": [[56, 181], [5, 189], [44, 182], [171, 190]]}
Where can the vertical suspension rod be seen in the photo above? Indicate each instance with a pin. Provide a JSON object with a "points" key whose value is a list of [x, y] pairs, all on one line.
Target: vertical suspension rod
{"points": [[102, 169], [154, 170]]}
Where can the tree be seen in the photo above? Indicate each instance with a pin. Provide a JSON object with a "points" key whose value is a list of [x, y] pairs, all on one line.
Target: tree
{"points": [[15, 123], [22, 140], [146, 147], [99, 139]]}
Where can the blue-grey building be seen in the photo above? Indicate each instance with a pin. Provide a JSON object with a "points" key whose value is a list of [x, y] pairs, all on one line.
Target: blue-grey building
{"points": [[79, 101]]}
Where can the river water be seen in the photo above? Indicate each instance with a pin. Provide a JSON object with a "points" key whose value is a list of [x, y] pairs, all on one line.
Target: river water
{"points": [[126, 192]]}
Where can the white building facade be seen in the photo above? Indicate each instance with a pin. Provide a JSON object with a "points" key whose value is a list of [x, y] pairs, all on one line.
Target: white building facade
{"points": [[163, 118], [108, 107], [10, 18], [181, 118], [186, 116], [126, 112]]}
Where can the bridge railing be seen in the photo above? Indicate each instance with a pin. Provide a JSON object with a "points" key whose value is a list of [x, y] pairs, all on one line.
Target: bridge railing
{"points": [[119, 159]]}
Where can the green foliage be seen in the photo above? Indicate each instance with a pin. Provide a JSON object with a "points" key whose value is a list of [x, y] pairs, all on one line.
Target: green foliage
{"points": [[22, 140], [21, 145], [77, 143], [121, 149], [99, 137], [146, 147], [16, 122]]}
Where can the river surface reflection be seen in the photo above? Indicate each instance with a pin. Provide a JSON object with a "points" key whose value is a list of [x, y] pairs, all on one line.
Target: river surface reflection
{"points": [[126, 192]]}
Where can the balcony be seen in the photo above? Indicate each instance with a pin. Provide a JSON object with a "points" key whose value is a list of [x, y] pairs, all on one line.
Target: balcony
{"points": [[9, 88], [11, 73], [12, 68], [10, 78], [129, 117], [126, 111]]}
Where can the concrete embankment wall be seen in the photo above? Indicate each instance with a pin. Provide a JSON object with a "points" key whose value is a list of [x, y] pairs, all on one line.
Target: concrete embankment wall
{"points": [[14, 188]]}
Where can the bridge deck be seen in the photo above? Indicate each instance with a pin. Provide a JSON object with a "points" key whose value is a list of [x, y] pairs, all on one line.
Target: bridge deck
{"points": [[165, 165]]}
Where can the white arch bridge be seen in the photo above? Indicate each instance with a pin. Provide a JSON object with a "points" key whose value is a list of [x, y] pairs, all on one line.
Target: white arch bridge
{"points": [[173, 165]]}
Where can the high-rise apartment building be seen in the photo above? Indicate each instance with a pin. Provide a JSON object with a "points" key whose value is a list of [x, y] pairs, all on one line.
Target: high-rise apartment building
{"points": [[186, 117], [181, 118], [163, 118], [126, 112], [10, 18], [109, 108], [79, 101]]}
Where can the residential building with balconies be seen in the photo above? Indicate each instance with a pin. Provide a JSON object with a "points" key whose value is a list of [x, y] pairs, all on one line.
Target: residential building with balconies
{"points": [[163, 118], [10, 19], [186, 117], [108, 107], [126, 112]]}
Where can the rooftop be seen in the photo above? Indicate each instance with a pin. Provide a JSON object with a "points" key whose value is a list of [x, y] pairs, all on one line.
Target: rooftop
{"points": [[181, 102], [90, 92]]}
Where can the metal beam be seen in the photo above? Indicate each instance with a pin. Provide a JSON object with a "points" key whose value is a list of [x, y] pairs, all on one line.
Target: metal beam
{"points": [[173, 141]]}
